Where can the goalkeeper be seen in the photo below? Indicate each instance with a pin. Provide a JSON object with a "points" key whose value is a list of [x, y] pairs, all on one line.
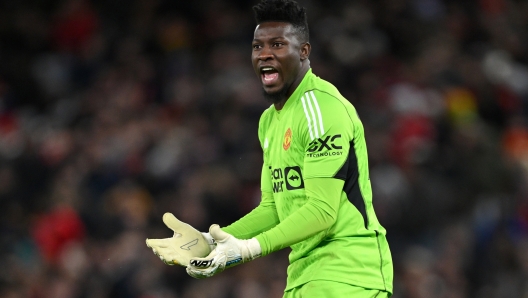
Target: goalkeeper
{"points": [[316, 193]]}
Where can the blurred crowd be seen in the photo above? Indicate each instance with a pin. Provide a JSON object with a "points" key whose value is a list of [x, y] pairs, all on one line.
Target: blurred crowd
{"points": [[115, 112]]}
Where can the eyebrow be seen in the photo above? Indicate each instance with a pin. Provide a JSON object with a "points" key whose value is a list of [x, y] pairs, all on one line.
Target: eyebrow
{"points": [[272, 38]]}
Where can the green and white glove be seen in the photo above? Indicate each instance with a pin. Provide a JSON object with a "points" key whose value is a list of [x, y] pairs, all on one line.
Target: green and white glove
{"points": [[229, 252], [186, 243]]}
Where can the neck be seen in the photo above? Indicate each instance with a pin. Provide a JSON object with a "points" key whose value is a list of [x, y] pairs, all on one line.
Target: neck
{"points": [[280, 105], [304, 69]]}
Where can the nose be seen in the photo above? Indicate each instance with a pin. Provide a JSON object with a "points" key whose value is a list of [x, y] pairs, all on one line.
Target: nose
{"points": [[265, 54]]}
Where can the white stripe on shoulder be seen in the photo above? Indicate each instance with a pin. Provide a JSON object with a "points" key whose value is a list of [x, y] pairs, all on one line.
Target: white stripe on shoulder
{"points": [[307, 118], [316, 104], [312, 113]]}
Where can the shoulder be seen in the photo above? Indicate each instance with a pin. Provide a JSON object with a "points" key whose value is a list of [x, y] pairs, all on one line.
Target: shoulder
{"points": [[326, 100], [326, 94], [265, 120], [266, 117], [325, 109]]}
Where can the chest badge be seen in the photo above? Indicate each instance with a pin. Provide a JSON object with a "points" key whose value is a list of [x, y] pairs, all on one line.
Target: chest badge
{"points": [[287, 139]]}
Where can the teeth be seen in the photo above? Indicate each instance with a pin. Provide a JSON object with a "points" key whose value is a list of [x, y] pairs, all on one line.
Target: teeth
{"points": [[267, 69]]}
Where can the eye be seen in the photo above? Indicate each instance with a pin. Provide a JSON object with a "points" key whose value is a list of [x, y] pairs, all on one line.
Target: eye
{"points": [[277, 44], [256, 46]]}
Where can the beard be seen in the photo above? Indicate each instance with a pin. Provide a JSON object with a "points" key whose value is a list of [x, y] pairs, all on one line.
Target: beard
{"points": [[276, 97]]}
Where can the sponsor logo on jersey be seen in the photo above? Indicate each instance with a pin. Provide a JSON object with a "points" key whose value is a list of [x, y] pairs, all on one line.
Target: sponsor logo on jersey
{"points": [[287, 139], [325, 146], [321, 154], [293, 178], [289, 178]]}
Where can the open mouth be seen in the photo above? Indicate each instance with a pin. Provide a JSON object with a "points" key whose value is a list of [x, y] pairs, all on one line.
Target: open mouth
{"points": [[269, 75]]}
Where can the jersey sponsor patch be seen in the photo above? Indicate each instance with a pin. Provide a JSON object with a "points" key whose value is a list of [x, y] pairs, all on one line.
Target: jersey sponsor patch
{"points": [[290, 178], [287, 139], [325, 146], [294, 178]]}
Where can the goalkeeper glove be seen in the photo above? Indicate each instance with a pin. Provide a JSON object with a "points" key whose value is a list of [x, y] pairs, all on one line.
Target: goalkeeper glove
{"points": [[186, 243], [229, 252]]}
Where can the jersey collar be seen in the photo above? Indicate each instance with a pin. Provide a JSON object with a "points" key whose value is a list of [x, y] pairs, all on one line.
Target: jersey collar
{"points": [[297, 93]]}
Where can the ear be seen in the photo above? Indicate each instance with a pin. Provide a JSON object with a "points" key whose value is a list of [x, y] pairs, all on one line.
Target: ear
{"points": [[306, 48]]}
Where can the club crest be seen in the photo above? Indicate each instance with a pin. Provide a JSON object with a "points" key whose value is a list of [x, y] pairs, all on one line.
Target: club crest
{"points": [[287, 139]]}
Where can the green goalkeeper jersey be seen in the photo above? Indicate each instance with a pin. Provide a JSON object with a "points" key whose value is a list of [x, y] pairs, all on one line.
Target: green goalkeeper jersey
{"points": [[316, 193]]}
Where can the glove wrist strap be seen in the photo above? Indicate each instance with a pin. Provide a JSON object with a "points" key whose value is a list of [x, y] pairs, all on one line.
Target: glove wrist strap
{"points": [[254, 248]]}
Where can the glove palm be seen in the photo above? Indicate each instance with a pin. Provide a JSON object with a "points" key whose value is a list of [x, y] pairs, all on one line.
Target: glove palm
{"points": [[186, 243]]}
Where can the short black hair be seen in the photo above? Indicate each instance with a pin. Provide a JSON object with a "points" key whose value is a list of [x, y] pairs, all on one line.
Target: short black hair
{"points": [[287, 11]]}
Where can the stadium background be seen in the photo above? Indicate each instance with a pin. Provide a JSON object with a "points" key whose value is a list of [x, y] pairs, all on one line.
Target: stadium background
{"points": [[114, 112]]}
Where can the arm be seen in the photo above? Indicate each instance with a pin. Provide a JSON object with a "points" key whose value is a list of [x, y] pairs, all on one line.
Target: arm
{"points": [[318, 214], [260, 219], [321, 190]]}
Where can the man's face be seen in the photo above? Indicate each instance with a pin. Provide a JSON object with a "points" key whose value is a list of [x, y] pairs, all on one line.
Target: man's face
{"points": [[277, 57]]}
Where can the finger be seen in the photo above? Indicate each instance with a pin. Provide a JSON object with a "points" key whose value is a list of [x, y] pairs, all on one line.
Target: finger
{"points": [[195, 273], [151, 246], [165, 260], [169, 262], [172, 223], [217, 233], [201, 273], [174, 262], [163, 243]]}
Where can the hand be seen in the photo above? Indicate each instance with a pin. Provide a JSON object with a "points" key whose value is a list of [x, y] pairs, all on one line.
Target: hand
{"points": [[186, 243], [229, 252]]}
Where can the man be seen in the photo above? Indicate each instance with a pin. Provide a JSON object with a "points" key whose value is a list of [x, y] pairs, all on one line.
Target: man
{"points": [[316, 193]]}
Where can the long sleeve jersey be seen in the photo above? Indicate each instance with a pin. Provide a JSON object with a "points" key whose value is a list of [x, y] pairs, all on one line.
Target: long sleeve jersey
{"points": [[316, 192]]}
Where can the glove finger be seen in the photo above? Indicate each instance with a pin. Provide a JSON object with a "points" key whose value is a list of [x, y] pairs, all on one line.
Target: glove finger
{"points": [[173, 223], [198, 274], [203, 272], [168, 262], [149, 245], [158, 254], [164, 259], [218, 234], [157, 243]]}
